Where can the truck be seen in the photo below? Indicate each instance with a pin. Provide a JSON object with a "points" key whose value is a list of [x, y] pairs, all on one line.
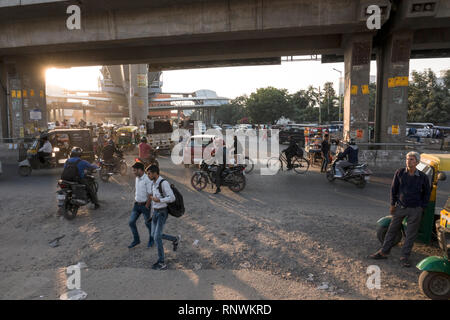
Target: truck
{"points": [[159, 133]]}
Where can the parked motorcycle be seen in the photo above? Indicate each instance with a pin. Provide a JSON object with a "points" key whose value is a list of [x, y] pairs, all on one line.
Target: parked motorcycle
{"points": [[358, 174], [232, 177], [73, 195], [107, 169]]}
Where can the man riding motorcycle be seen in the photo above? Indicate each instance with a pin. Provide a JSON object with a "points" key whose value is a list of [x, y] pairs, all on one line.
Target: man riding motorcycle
{"points": [[351, 152], [108, 153], [145, 150], [291, 151], [75, 158]]}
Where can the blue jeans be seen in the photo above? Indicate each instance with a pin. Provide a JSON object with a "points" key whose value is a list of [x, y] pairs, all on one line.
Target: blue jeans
{"points": [[158, 222], [137, 211]]}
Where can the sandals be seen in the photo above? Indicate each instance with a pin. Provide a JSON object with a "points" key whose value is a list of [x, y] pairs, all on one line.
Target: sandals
{"points": [[377, 256]]}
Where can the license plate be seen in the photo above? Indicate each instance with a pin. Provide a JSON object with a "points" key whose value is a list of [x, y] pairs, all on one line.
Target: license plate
{"points": [[61, 197], [367, 178]]}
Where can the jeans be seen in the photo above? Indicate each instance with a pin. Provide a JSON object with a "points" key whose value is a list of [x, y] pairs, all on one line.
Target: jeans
{"points": [[324, 162], [137, 211], [413, 217], [158, 222]]}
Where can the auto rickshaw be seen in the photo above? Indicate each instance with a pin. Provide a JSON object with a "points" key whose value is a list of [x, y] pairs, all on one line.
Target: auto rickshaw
{"points": [[62, 141], [434, 166], [127, 138], [434, 281]]}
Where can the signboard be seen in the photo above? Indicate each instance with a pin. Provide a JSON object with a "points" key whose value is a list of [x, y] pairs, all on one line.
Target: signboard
{"points": [[359, 134], [35, 114], [365, 89], [142, 81], [354, 90], [395, 129]]}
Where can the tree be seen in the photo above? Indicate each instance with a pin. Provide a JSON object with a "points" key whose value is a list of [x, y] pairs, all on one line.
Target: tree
{"points": [[233, 112], [267, 105]]}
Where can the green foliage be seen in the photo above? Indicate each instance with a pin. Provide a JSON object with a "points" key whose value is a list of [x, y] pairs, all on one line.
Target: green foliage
{"points": [[429, 100], [267, 105]]}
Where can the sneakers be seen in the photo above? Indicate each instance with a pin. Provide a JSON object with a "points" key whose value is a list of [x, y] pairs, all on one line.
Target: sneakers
{"points": [[159, 266], [176, 243], [134, 244]]}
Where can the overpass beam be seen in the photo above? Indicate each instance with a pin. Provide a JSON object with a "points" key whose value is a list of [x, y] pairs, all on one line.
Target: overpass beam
{"points": [[391, 108], [357, 53]]}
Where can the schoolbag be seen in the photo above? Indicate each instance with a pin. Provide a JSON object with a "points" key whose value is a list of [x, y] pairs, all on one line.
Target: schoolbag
{"points": [[70, 172], [175, 208]]}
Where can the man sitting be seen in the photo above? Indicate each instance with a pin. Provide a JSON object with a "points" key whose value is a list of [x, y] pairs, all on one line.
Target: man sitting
{"points": [[351, 152], [45, 150]]}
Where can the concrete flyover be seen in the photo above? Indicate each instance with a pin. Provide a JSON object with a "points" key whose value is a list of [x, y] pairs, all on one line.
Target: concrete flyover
{"points": [[175, 34]]}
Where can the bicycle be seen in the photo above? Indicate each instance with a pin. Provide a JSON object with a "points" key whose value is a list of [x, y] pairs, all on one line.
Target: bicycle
{"points": [[299, 163]]}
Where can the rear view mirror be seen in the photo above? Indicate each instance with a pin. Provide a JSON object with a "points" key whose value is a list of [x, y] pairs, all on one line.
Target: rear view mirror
{"points": [[442, 176]]}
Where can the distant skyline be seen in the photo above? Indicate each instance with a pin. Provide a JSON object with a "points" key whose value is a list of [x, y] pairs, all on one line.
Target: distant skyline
{"points": [[231, 82]]}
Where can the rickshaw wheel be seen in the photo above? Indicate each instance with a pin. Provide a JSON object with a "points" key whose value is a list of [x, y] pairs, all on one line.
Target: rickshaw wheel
{"points": [[25, 171], [435, 285], [381, 234]]}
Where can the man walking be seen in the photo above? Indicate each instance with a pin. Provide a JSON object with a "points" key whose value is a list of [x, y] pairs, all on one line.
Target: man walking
{"points": [[142, 204], [162, 194], [325, 153], [410, 192]]}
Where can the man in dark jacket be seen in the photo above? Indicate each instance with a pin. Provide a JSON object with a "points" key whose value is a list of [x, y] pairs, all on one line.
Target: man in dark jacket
{"points": [[410, 193], [325, 149], [351, 152], [291, 151]]}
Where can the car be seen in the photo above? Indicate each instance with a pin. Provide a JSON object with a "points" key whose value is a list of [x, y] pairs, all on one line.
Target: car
{"points": [[297, 133]]}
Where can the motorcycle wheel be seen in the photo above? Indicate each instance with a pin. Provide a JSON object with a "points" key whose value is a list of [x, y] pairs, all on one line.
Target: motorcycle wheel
{"points": [[25, 171], [330, 176], [70, 211], [95, 186], [104, 176], [199, 181], [123, 169], [238, 183], [361, 183], [435, 285]]}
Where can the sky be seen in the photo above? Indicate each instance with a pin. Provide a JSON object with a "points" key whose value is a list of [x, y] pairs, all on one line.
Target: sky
{"points": [[231, 82]]}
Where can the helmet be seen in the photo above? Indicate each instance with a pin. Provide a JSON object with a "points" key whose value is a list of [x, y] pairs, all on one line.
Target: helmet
{"points": [[144, 139], [76, 152], [352, 142]]}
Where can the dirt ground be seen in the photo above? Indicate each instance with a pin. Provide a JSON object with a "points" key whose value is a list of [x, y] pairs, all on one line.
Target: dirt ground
{"points": [[286, 236]]}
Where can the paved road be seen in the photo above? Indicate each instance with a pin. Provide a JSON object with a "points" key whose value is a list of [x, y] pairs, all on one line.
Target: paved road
{"points": [[281, 238]]}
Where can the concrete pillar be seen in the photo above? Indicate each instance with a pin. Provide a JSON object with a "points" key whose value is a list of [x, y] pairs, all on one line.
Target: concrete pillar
{"points": [[138, 98], [26, 104], [3, 103], [391, 108], [358, 50]]}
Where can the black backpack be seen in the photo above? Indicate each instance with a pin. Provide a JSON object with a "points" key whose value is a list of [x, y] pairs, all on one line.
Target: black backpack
{"points": [[175, 208], [71, 172]]}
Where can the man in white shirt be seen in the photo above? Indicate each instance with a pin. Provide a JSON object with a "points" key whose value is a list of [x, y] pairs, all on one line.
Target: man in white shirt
{"points": [[160, 213], [46, 150], [142, 203]]}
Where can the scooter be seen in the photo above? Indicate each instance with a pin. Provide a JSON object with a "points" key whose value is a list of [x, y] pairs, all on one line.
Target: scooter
{"points": [[358, 174], [73, 195]]}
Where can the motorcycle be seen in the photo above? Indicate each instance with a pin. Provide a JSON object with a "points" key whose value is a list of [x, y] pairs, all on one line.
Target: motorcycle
{"points": [[358, 174], [232, 177], [73, 195], [107, 169]]}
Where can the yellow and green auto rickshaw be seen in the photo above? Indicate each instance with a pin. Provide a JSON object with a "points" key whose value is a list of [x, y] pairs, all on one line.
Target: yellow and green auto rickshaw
{"points": [[62, 141], [434, 281], [127, 138], [434, 166]]}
